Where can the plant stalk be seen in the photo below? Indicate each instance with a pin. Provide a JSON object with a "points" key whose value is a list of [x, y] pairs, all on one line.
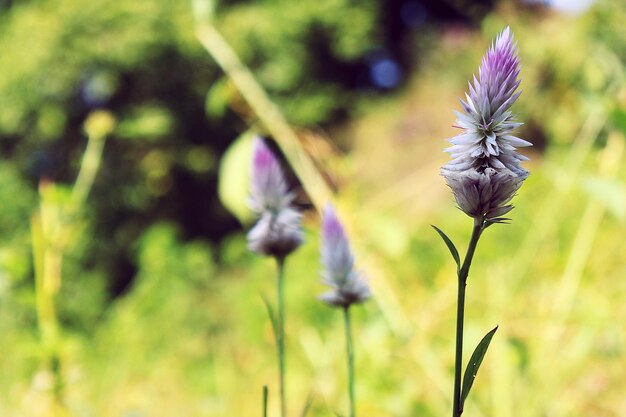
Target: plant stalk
{"points": [[457, 410], [265, 397], [350, 358], [280, 332]]}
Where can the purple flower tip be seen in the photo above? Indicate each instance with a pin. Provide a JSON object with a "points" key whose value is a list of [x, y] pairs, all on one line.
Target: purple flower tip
{"points": [[268, 187], [263, 160], [349, 287], [331, 227], [484, 155]]}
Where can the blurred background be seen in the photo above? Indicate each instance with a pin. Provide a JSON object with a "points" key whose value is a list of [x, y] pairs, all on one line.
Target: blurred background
{"points": [[126, 288]]}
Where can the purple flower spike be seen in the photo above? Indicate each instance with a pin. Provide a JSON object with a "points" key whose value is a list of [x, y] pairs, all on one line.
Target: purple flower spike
{"points": [[349, 287], [268, 188], [484, 155], [277, 232], [487, 122]]}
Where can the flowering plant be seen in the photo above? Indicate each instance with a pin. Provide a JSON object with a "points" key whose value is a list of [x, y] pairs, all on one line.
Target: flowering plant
{"points": [[484, 175], [277, 233], [348, 285]]}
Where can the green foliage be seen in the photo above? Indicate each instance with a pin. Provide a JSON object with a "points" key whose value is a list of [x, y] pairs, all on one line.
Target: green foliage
{"points": [[54, 46], [14, 225], [291, 46], [142, 61]]}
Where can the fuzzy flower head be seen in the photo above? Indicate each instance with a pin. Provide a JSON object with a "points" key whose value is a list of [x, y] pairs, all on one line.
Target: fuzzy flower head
{"points": [[484, 194], [268, 187], [277, 232], [348, 286], [487, 123], [485, 172]]}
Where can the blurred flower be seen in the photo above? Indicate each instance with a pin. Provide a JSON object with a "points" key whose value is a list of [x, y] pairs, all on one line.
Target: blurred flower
{"points": [[277, 232], [485, 170], [349, 287], [268, 188]]}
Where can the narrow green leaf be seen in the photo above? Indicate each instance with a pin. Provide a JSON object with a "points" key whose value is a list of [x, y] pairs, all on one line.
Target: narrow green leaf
{"points": [[474, 364], [450, 245], [271, 315]]}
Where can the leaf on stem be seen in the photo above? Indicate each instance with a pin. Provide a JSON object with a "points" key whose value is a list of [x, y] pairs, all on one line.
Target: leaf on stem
{"points": [[271, 315], [450, 245], [474, 364], [497, 220]]}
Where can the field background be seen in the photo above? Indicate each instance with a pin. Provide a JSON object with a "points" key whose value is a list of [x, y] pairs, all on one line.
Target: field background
{"points": [[130, 292]]}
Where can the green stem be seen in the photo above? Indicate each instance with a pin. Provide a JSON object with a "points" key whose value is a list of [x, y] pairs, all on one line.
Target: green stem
{"points": [[47, 261], [350, 357], [88, 169], [457, 410], [265, 395], [280, 333]]}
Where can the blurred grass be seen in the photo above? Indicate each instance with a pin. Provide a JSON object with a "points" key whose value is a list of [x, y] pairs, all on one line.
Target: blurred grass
{"points": [[190, 337]]}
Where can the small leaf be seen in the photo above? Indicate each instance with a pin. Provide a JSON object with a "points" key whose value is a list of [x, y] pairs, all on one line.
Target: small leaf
{"points": [[497, 220], [474, 364], [451, 247], [271, 315]]}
